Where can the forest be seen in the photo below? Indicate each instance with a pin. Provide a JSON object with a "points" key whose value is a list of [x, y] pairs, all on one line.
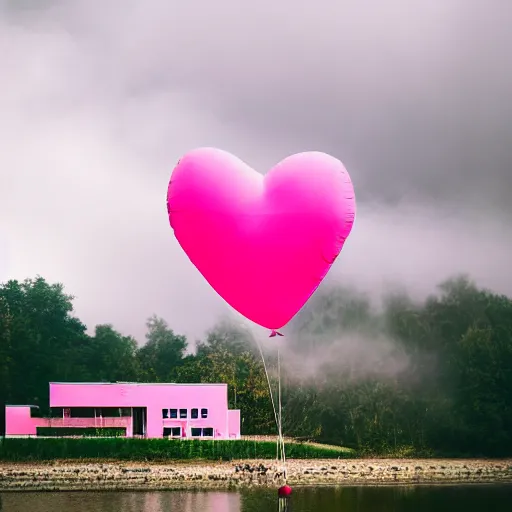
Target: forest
{"points": [[401, 376]]}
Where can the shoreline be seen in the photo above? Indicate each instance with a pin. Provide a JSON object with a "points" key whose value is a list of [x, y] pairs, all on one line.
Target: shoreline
{"points": [[205, 475]]}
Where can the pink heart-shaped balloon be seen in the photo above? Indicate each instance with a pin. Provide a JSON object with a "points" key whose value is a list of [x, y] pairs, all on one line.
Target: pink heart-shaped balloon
{"points": [[264, 243]]}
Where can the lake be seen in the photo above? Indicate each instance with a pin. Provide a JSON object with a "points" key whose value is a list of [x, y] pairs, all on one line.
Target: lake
{"points": [[469, 498]]}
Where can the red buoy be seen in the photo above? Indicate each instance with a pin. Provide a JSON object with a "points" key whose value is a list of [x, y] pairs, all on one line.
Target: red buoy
{"points": [[284, 491], [284, 497]]}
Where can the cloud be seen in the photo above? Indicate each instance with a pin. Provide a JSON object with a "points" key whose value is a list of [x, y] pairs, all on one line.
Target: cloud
{"points": [[99, 103]]}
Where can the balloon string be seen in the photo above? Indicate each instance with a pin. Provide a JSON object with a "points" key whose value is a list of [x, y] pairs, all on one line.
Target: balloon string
{"points": [[268, 382], [280, 450], [275, 333], [283, 456]]}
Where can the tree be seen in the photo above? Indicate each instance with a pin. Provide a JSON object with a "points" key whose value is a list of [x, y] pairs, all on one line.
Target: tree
{"points": [[5, 359], [110, 356], [452, 397], [163, 352], [43, 334], [228, 356]]}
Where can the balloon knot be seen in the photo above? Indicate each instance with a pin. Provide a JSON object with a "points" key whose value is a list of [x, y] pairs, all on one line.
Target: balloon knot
{"points": [[275, 333]]}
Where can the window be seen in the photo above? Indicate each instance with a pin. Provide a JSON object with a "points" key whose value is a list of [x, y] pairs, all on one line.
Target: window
{"points": [[125, 412], [174, 413], [109, 412], [165, 414], [56, 412], [194, 414], [204, 413], [172, 431], [80, 412], [201, 432], [183, 413], [35, 412]]}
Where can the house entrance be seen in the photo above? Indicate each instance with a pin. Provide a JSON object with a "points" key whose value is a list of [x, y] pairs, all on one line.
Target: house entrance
{"points": [[139, 421]]}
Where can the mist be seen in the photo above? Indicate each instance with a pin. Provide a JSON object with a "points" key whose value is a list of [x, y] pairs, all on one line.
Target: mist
{"points": [[349, 357], [98, 105]]}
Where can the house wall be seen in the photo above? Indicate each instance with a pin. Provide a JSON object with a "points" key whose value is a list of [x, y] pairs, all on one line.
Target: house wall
{"points": [[19, 423], [234, 424], [155, 397]]}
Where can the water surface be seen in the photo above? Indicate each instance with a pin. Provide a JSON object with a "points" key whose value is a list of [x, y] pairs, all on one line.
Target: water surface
{"points": [[474, 498]]}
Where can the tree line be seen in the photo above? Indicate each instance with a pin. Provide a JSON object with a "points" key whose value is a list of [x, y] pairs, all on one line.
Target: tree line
{"points": [[403, 376]]}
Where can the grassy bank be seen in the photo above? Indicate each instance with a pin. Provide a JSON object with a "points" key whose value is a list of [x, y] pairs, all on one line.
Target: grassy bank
{"points": [[34, 449]]}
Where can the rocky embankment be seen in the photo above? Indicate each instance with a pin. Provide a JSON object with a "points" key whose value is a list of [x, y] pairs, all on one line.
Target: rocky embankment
{"points": [[179, 475]]}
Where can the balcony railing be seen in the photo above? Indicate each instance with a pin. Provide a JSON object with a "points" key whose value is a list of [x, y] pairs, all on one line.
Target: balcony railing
{"points": [[97, 422]]}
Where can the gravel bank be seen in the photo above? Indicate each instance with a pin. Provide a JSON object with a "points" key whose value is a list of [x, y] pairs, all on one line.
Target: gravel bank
{"points": [[180, 475]]}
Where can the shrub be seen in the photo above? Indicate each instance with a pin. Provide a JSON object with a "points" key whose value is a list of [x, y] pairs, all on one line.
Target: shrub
{"points": [[45, 449], [81, 431]]}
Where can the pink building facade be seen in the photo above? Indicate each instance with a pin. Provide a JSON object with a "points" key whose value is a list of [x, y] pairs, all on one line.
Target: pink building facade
{"points": [[180, 411]]}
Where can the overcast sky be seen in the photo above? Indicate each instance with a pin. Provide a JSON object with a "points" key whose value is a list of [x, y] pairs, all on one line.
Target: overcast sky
{"points": [[99, 100]]}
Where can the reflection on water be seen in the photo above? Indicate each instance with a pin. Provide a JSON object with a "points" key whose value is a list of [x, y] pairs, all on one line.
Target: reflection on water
{"points": [[477, 498], [123, 502]]}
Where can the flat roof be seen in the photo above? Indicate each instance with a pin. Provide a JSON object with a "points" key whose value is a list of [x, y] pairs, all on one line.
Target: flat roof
{"points": [[142, 383], [18, 405]]}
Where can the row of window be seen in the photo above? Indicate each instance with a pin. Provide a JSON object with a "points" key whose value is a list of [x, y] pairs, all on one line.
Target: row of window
{"points": [[194, 432], [183, 413], [83, 412], [114, 412]]}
